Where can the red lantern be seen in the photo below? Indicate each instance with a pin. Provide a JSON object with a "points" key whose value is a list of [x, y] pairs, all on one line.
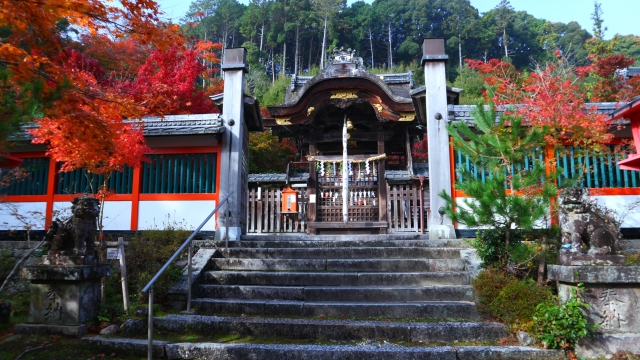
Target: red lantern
{"points": [[289, 201]]}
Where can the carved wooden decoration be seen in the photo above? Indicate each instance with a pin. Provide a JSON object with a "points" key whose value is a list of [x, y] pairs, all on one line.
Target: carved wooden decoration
{"points": [[346, 94]]}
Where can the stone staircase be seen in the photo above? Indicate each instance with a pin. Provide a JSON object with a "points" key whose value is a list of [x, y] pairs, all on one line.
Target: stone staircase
{"points": [[395, 290]]}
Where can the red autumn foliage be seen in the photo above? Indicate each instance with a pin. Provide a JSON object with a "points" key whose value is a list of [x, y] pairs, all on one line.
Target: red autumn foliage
{"points": [[166, 83], [611, 86], [103, 142], [547, 97], [121, 58], [420, 152]]}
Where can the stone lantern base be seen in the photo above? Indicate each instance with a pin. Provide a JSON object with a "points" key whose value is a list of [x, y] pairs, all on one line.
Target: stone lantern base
{"points": [[613, 295], [63, 297]]}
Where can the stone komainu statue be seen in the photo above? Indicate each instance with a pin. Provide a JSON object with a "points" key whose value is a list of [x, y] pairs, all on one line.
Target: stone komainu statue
{"points": [[77, 233], [583, 228]]}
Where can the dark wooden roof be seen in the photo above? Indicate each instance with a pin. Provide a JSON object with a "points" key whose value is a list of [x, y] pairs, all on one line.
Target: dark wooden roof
{"points": [[345, 86]]}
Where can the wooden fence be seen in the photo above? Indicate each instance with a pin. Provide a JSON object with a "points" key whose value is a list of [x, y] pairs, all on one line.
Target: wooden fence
{"points": [[404, 208], [264, 212]]}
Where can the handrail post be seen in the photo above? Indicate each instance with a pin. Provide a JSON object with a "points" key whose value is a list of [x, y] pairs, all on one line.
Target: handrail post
{"points": [[149, 287], [150, 324], [189, 275]]}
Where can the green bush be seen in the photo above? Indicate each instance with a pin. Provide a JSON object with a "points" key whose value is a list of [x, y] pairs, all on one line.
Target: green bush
{"points": [[148, 251], [488, 285], [507, 298], [517, 301], [561, 325], [490, 246], [6, 264]]}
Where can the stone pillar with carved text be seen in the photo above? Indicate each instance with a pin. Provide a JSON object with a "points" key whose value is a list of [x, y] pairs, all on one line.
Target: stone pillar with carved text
{"points": [[234, 157], [433, 61]]}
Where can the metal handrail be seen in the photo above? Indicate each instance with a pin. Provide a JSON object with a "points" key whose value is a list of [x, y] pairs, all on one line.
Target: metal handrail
{"points": [[149, 287]]}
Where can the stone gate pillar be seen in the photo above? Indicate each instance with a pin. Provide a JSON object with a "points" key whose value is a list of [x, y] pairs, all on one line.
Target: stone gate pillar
{"points": [[234, 161], [434, 60]]}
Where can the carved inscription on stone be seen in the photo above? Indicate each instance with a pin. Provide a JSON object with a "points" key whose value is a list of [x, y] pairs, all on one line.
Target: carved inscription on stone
{"points": [[53, 311], [609, 308]]}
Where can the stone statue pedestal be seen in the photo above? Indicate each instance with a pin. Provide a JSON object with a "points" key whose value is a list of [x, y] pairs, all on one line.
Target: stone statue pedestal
{"points": [[63, 296], [613, 295], [575, 259]]}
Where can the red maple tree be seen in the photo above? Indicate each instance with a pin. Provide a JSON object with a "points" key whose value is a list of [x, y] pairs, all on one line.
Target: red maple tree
{"points": [[547, 97], [605, 80], [167, 83]]}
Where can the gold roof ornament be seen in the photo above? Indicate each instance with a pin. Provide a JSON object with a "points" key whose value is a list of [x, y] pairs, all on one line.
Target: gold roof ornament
{"points": [[346, 94], [350, 125], [283, 121], [407, 116], [310, 110], [378, 107]]}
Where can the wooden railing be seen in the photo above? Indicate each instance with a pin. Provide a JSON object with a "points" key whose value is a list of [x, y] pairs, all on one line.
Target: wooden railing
{"points": [[404, 208], [264, 212]]}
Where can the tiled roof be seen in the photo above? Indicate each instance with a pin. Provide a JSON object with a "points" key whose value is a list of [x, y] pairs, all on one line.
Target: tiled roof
{"points": [[169, 125], [465, 112], [302, 177], [183, 125]]}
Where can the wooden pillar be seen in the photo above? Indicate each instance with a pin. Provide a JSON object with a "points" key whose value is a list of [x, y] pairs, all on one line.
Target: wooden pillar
{"points": [[382, 183], [433, 61], [312, 183], [234, 175]]}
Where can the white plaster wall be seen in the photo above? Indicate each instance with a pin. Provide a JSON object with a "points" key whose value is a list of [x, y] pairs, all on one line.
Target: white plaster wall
{"points": [[117, 214], [33, 213], [187, 214], [626, 206]]}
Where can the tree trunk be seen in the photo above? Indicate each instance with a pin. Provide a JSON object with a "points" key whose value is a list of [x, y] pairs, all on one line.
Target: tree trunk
{"points": [[371, 45], [273, 67], [324, 41], [460, 49], [261, 40], [504, 42], [261, 35], [310, 52], [295, 60], [390, 55], [543, 261], [283, 71]]}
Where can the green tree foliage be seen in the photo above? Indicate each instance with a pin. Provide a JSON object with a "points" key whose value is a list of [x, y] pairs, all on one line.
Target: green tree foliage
{"points": [[512, 194], [472, 83], [288, 36], [629, 45]]}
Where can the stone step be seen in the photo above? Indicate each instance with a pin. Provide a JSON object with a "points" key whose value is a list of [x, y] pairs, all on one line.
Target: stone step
{"points": [[344, 265], [343, 330], [369, 241], [339, 293], [336, 278], [322, 352], [340, 253], [337, 237], [396, 310], [366, 351]]}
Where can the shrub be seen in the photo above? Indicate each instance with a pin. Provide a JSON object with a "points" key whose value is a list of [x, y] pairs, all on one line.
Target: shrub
{"points": [[148, 251], [488, 286], [517, 301], [490, 246], [508, 299], [561, 325]]}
